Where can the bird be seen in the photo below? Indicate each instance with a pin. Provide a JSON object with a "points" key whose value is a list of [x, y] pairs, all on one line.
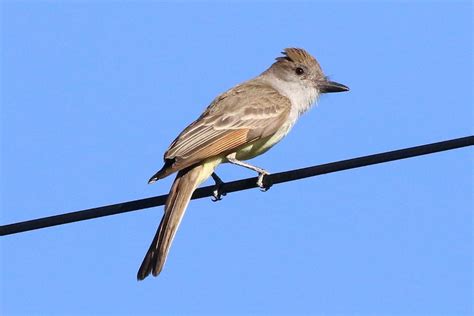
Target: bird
{"points": [[239, 124]]}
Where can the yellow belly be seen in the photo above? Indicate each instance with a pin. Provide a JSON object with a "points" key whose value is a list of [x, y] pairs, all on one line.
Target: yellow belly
{"points": [[258, 147]]}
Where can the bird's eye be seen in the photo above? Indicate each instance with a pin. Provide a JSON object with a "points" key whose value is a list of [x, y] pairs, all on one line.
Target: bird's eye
{"points": [[299, 71]]}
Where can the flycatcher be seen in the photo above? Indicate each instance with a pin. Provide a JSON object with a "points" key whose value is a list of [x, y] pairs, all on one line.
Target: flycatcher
{"points": [[238, 125]]}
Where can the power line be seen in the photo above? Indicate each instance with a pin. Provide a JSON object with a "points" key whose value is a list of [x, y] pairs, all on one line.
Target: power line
{"points": [[239, 185]]}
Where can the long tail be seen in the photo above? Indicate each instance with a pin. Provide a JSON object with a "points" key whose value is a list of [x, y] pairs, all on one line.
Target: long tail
{"points": [[178, 199]]}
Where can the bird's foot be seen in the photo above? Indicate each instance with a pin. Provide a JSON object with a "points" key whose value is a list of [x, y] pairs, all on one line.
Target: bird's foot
{"points": [[263, 186], [218, 191]]}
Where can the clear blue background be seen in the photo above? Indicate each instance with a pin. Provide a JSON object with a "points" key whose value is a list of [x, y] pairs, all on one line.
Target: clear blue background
{"points": [[92, 93]]}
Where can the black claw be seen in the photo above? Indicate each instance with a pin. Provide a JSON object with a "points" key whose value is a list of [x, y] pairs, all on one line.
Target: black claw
{"points": [[265, 184], [218, 191], [265, 187], [217, 194]]}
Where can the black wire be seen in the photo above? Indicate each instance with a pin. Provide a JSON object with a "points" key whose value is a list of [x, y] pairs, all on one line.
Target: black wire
{"points": [[239, 185]]}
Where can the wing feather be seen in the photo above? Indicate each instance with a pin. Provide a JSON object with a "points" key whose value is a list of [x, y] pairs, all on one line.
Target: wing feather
{"points": [[246, 113]]}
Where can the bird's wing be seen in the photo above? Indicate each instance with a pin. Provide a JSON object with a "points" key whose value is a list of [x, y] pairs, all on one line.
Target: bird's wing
{"points": [[244, 114]]}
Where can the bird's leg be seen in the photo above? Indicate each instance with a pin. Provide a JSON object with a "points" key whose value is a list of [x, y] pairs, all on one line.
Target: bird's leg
{"points": [[218, 191], [261, 172]]}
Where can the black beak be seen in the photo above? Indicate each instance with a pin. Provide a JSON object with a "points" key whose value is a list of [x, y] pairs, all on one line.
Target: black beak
{"points": [[331, 86]]}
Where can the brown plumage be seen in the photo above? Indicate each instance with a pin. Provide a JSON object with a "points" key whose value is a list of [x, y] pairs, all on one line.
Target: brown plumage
{"points": [[239, 124], [297, 55], [183, 187], [212, 135], [215, 133]]}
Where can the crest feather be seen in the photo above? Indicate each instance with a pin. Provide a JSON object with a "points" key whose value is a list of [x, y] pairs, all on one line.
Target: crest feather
{"points": [[297, 55]]}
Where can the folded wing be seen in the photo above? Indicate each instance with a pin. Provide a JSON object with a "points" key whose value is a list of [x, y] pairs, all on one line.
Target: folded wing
{"points": [[244, 114]]}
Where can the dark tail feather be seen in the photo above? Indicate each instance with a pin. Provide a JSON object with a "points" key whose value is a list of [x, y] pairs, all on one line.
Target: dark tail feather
{"points": [[183, 187], [163, 172]]}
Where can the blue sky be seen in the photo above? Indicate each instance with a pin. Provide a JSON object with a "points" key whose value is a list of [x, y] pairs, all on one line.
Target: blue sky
{"points": [[92, 93]]}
